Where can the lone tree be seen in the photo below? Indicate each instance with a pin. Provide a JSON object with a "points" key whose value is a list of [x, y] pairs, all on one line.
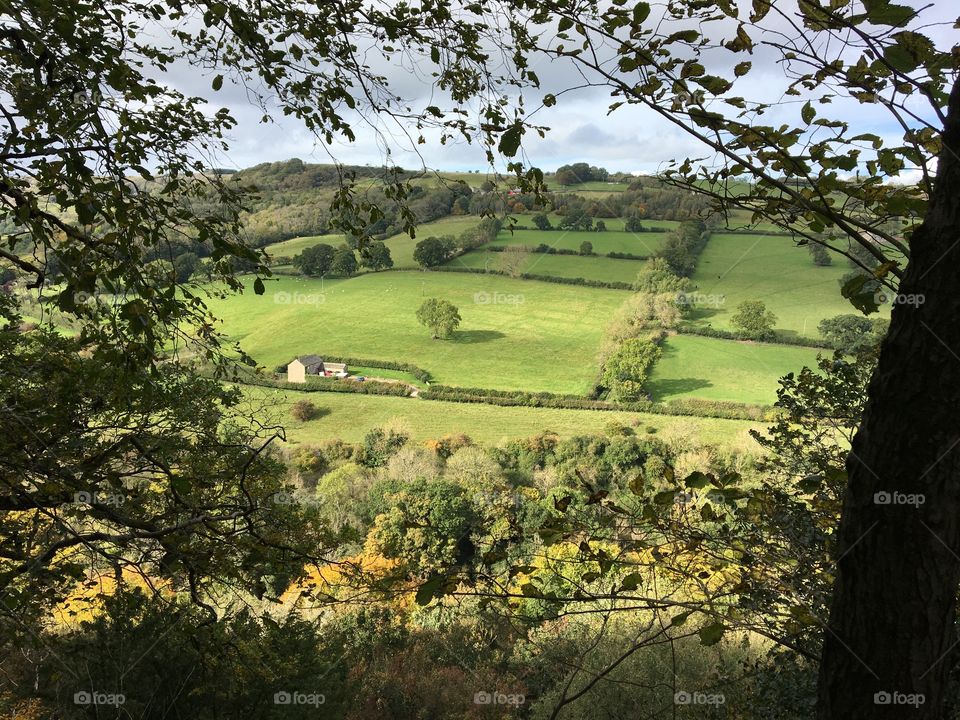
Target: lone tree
{"points": [[753, 320], [586, 248], [440, 316]]}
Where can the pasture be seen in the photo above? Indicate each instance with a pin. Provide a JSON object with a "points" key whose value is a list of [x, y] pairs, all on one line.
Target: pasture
{"points": [[515, 334], [716, 369], [350, 417], [591, 267], [772, 269], [646, 243]]}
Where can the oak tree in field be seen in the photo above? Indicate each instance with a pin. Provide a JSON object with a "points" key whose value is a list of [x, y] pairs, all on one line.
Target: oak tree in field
{"points": [[440, 316], [343, 263], [753, 320], [376, 256], [315, 260], [433, 251]]}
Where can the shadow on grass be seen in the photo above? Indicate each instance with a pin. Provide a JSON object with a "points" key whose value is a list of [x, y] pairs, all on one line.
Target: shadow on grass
{"points": [[469, 337], [662, 389]]}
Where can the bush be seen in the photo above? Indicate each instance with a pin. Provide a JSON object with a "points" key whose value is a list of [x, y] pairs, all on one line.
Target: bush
{"points": [[304, 410]]}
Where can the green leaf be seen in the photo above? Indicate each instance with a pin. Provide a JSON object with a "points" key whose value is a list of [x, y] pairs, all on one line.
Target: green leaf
{"points": [[741, 69], [664, 498], [881, 12], [510, 140], [218, 82], [810, 484], [680, 619], [808, 113], [696, 480], [531, 590], [429, 589], [900, 58], [714, 84], [862, 299], [711, 634], [258, 287], [760, 10], [640, 12], [632, 582]]}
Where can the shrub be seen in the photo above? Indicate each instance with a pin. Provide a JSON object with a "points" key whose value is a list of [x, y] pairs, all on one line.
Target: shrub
{"points": [[304, 410]]}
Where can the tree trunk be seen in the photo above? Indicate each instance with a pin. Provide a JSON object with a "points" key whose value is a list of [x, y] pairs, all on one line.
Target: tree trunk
{"points": [[889, 644]]}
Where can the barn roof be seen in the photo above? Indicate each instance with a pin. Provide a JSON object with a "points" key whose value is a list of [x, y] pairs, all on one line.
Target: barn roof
{"points": [[311, 362]]}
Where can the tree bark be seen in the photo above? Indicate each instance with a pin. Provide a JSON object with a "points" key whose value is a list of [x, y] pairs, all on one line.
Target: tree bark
{"points": [[889, 643]]}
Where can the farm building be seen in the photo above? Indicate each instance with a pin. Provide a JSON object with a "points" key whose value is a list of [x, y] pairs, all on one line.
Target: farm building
{"points": [[300, 367]]}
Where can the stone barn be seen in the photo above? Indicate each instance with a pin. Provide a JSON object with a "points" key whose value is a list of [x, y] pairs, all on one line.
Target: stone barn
{"points": [[300, 367]]}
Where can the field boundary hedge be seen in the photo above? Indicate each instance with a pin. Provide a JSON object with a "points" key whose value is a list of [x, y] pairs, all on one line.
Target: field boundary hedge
{"points": [[324, 384], [681, 406], [612, 285], [778, 339]]}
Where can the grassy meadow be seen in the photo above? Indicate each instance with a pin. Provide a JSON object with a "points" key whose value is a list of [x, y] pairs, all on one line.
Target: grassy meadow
{"points": [[349, 417], [515, 334], [772, 269], [715, 369], [564, 266], [603, 242]]}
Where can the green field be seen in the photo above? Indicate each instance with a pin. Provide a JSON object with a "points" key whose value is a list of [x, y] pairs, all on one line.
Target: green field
{"points": [[613, 224], [401, 246], [772, 269], [565, 266], [716, 369], [295, 246], [592, 186], [603, 242], [515, 334], [350, 416]]}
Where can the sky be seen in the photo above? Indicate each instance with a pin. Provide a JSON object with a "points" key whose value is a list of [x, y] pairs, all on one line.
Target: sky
{"points": [[631, 139]]}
